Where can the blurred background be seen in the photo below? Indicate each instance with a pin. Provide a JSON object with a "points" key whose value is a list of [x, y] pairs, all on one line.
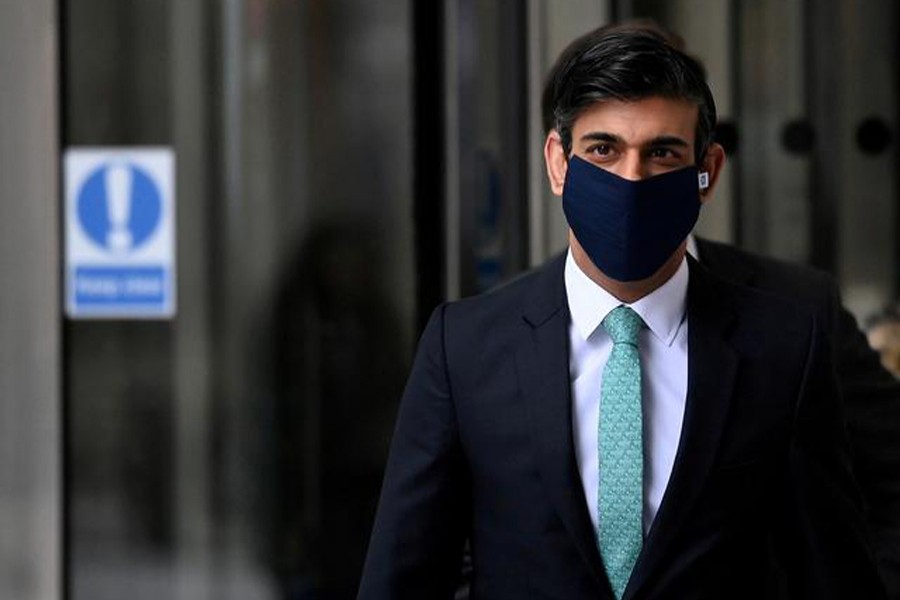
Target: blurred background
{"points": [[342, 167]]}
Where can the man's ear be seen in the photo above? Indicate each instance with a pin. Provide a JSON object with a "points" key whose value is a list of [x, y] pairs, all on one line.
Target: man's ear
{"points": [[555, 160], [712, 164]]}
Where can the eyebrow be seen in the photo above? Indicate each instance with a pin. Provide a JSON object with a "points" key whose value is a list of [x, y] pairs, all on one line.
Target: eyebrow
{"points": [[669, 140], [662, 140], [601, 136]]}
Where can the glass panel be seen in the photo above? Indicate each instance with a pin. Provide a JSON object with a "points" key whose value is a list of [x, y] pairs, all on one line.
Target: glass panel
{"points": [[854, 93], [236, 451], [774, 162], [488, 148]]}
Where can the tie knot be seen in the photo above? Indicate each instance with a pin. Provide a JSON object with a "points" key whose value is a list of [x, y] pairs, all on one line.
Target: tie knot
{"points": [[623, 325]]}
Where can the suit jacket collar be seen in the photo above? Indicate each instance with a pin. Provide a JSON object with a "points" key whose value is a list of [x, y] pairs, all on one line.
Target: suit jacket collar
{"points": [[542, 361], [549, 293]]}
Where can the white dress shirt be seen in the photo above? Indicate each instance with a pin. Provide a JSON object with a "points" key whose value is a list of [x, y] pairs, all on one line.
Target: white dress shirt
{"points": [[664, 363]]}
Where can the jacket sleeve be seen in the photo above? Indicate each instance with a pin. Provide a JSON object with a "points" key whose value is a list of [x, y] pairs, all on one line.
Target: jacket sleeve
{"points": [[422, 518], [872, 407], [823, 541]]}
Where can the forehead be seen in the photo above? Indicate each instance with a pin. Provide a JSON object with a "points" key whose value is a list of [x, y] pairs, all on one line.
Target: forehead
{"points": [[639, 120]]}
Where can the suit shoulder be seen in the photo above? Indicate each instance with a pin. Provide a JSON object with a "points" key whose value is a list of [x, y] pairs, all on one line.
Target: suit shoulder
{"points": [[543, 285], [763, 272], [763, 313]]}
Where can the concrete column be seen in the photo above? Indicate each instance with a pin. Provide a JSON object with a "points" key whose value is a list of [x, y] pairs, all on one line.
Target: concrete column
{"points": [[30, 398]]}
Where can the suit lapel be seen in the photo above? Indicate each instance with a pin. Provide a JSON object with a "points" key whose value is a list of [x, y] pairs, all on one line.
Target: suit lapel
{"points": [[542, 362], [712, 365]]}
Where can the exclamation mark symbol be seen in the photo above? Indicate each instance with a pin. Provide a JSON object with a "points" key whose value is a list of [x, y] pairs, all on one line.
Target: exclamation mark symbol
{"points": [[118, 206]]}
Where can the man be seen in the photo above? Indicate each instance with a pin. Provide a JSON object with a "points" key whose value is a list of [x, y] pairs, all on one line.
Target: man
{"points": [[871, 393], [621, 423]]}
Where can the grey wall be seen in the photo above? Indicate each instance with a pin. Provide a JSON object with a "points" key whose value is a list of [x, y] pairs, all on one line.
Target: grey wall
{"points": [[30, 549]]}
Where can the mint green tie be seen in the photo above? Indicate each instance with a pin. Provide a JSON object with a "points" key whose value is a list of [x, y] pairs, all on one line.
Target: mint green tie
{"points": [[620, 449]]}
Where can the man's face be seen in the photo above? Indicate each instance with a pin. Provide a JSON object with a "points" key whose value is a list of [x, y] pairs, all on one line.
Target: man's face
{"points": [[639, 139], [634, 140]]}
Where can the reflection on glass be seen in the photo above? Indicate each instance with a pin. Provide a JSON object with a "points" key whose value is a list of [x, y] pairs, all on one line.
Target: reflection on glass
{"points": [[236, 451]]}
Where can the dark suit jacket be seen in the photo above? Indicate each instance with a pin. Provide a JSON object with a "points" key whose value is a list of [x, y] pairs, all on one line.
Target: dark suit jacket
{"points": [[483, 449], [871, 394]]}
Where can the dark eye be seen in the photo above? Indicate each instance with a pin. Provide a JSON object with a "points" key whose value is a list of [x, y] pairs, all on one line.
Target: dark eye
{"points": [[601, 150], [662, 153]]}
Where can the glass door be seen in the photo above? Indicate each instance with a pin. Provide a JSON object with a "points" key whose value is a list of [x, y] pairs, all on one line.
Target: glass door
{"points": [[236, 450]]}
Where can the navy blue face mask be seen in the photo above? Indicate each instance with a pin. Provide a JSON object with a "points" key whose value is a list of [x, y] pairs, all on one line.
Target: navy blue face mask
{"points": [[630, 228]]}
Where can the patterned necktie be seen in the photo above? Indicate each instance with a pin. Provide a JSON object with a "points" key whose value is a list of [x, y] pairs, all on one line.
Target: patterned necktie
{"points": [[620, 448]]}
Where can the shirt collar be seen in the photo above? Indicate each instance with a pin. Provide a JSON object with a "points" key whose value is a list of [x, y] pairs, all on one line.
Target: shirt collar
{"points": [[692, 246], [662, 309]]}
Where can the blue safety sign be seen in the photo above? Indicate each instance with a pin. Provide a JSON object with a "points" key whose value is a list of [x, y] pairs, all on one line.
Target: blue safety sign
{"points": [[120, 259], [119, 206]]}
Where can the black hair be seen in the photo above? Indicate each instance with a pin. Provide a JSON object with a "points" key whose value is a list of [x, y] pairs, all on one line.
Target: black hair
{"points": [[625, 62]]}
